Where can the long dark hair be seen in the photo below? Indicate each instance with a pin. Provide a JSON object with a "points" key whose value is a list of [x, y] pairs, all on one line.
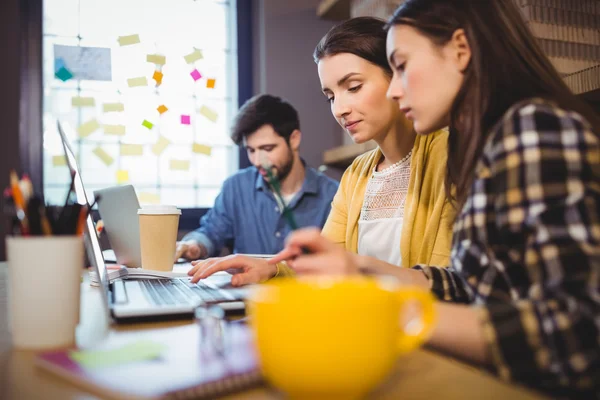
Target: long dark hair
{"points": [[507, 66], [364, 37]]}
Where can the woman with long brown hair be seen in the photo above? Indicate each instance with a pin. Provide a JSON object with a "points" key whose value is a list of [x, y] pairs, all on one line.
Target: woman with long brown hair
{"points": [[524, 158], [391, 209]]}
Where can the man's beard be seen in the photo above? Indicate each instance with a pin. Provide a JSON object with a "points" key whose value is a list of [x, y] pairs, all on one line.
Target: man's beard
{"points": [[283, 171]]}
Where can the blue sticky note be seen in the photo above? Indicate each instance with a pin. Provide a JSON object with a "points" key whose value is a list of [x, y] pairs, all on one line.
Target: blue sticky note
{"points": [[58, 64], [63, 74]]}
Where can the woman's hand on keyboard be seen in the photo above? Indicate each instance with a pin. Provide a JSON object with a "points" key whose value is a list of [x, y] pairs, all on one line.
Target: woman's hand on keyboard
{"points": [[245, 270]]}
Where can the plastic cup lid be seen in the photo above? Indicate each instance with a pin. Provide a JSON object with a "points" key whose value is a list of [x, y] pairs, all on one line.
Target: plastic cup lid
{"points": [[159, 210]]}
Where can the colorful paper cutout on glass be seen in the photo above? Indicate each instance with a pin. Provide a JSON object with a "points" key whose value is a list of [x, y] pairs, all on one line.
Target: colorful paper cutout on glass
{"points": [[193, 56], [210, 83], [162, 109], [128, 40], [185, 119], [147, 124], [196, 74], [158, 77]]}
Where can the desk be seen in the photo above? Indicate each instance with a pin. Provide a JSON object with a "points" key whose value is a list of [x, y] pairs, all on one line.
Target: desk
{"points": [[421, 375]]}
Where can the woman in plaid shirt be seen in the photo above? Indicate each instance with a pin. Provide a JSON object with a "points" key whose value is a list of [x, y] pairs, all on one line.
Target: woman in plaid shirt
{"points": [[522, 292]]}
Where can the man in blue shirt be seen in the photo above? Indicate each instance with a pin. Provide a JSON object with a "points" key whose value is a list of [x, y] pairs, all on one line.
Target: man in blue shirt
{"points": [[247, 210]]}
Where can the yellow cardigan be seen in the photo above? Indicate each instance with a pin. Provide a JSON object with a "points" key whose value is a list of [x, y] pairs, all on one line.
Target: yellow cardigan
{"points": [[428, 216]]}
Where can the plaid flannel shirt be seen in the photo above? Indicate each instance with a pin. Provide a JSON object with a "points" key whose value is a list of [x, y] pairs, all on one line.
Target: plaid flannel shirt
{"points": [[526, 250]]}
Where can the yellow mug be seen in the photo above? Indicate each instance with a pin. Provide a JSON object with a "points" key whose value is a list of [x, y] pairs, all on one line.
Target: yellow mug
{"points": [[327, 337]]}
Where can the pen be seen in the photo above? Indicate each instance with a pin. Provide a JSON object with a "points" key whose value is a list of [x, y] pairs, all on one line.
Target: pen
{"points": [[17, 196]]}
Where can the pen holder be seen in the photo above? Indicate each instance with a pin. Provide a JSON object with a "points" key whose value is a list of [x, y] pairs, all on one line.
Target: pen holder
{"points": [[44, 281]]}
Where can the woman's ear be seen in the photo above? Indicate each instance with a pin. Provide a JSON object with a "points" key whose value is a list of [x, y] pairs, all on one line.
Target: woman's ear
{"points": [[295, 139], [460, 49]]}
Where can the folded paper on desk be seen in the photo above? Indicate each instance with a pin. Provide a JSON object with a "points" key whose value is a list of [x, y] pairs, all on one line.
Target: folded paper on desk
{"points": [[179, 370]]}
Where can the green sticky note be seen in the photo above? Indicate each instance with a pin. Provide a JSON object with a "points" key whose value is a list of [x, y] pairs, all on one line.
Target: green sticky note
{"points": [[142, 350], [63, 74], [147, 124]]}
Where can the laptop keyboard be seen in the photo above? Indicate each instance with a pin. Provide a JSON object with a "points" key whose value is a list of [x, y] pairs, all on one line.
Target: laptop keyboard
{"points": [[171, 292]]}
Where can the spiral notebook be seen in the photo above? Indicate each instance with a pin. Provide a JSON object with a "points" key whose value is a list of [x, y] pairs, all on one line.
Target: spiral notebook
{"points": [[184, 370]]}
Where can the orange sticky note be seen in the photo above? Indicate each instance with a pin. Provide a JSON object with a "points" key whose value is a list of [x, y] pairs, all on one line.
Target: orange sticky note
{"points": [[210, 83], [162, 109], [158, 77]]}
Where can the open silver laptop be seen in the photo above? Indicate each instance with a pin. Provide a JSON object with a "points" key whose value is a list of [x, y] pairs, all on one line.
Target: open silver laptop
{"points": [[147, 299]]}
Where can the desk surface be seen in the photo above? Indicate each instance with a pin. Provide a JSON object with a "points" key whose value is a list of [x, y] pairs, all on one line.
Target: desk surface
{"points": [[421, 375]]}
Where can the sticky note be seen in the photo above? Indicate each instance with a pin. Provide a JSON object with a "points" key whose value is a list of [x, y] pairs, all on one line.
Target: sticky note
{"points": [[209, 113], [185, 119], [201, 149], [59, 161], [122, 176], [179, 165], [142, 350], [162, 109], [128, 40], [139, 81], [160, 145], [114, 130], [147, 124], [63, 74], [193, 56], [196, 75], [58, 64], [156, 59], [86, 129], [148, 198], [132, 149], [103, 155], [210, 83], [113, 107], [83, 101], [158, 76]]}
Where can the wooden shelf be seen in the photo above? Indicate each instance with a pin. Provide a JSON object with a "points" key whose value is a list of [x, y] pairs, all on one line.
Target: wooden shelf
{"points": [[337, 10], [342, 156]]}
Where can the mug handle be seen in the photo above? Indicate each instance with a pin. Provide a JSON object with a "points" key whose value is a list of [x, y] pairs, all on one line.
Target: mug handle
{"points": [[410, 341]]}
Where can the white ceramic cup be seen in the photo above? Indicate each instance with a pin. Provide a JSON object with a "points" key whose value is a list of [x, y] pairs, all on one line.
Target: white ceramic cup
{"points": [[158, 236], [44, 282]]}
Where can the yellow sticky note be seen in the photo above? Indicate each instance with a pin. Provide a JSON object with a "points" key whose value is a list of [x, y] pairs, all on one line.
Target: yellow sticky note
{"points": [[128, 40], [148, 198], [132, 150], [122, 176], [59, 161], [139, 81], [157, 76], [209, 113], [193, 56], [86, 129], [113, 107], [160, 145], [201, 149], [114, 130], [103, 155], [83, 101], [210, 83], [156, 59], [179, 165]]}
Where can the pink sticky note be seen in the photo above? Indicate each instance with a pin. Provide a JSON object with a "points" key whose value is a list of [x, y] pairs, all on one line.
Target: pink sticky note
{"points": [[185, 119], [195, 74]]}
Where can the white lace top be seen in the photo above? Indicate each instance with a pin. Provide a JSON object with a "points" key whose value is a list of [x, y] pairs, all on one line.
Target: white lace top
{"points": [[382, 213]]}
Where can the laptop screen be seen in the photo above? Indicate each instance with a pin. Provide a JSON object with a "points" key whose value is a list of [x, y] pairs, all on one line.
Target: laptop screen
{"points": [[92, 244]]}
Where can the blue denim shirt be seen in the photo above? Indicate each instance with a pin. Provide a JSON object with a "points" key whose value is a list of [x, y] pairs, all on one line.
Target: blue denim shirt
{"points": [[247, 212]]}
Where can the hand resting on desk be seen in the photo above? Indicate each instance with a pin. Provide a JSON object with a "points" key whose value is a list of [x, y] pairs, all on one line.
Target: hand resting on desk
{"points": [[190, 250], [245, 270]]}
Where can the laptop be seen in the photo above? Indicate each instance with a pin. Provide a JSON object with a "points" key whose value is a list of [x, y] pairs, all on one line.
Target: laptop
{"points": [[118, 208], [134, 300]]}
